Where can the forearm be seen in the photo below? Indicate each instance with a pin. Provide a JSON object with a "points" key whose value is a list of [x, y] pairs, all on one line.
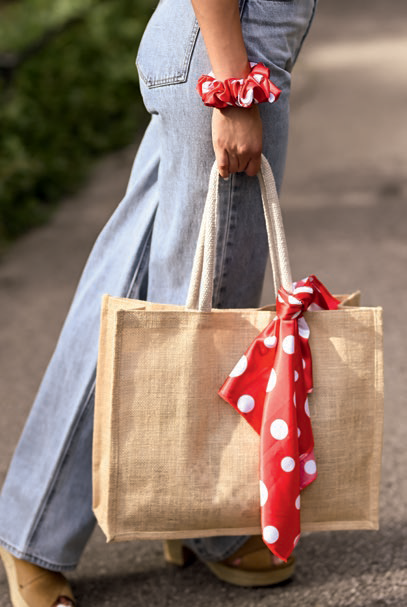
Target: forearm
{"points": [[219, 21], [236, 132]]}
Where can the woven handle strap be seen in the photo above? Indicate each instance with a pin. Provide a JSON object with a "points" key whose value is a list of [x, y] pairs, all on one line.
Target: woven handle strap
{"points": [[201, 285]]}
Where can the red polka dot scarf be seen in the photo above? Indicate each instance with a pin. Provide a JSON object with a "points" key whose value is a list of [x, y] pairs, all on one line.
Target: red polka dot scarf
{"points": [[269, 387]]}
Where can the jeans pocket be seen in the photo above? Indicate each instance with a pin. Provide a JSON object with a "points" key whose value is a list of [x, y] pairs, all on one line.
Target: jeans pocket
{"points": [[166, 48]]}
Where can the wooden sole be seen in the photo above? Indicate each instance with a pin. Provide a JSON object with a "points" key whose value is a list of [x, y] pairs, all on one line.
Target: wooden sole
{"points": [[177, 554], [252, 579]]}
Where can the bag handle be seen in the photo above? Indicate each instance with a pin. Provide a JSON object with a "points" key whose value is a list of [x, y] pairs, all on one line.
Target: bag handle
{"points": [[201, 285]]}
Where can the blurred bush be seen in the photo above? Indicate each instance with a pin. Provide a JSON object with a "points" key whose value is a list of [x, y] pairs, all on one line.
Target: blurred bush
{"points": [[68, 92]]}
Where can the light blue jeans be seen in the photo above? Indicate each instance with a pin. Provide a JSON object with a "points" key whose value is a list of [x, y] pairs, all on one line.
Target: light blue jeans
{"points": [[146, 251]]}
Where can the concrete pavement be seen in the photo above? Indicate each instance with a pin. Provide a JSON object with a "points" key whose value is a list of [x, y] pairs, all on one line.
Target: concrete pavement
{"points": [[345, 214]]}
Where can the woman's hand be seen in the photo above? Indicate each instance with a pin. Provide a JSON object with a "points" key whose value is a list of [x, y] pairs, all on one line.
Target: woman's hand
{"points": [[236, 132], [237, 140]]}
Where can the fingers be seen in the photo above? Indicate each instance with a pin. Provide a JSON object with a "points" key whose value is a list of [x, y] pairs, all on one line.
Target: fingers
{"points": [[253, 166], [233, 163], [249, 162], [229, 163], [222, 159]]}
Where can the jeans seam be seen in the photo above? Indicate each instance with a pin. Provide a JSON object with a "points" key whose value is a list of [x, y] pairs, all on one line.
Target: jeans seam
{"points": [[224, 245], [242, 7], [305, 33], [48, 494], [145, 248]]}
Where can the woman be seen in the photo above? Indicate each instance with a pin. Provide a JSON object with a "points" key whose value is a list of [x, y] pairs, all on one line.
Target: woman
{"points": [[146, 251]]}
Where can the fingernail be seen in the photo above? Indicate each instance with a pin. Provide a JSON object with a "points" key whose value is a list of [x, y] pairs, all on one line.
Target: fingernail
{"points": [[226, 178]]}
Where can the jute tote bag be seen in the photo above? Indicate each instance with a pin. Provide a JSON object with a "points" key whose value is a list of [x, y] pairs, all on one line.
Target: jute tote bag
{"points": [[171, 459]]}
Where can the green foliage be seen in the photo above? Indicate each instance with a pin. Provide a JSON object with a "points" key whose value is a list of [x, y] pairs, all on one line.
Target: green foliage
{"points": [[74, 99], [22, 23]]}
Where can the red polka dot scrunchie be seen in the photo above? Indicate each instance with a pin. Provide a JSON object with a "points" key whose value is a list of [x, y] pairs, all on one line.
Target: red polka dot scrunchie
{"points": [[269, 387], [243, 92]]}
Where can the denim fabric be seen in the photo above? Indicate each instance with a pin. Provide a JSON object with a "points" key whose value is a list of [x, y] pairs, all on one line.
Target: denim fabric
{"points": [[146, 251]]}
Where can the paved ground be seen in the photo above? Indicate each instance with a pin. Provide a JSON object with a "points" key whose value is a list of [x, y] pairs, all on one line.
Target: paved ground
{"points": [[345, 215]]}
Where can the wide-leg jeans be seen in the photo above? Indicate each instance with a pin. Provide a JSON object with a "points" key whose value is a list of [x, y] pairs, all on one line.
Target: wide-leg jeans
{"points": [[146, 251]]}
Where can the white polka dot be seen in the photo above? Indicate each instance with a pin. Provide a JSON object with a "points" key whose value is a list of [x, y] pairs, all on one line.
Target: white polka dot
{"points": [[270, 534], [306, 407], [240, 367], [272, 381], [310, 467], [294, 300], [298, 503], [246, 403], [279, 429], [303, 328], [289, 344], [288, 464], [263, 494], [246, 100], [280, 299], [304, 364], [295, 400], [297, 539], [303, 290], [270, 341], [298, 432], [296, 375]]}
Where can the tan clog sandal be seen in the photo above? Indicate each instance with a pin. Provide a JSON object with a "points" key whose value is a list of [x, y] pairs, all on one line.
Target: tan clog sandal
{"points": [[33, 586], [252, 565]]}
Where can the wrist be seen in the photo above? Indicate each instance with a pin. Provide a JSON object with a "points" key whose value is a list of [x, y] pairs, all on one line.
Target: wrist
{"points": [[232, 69], [233, 111]]}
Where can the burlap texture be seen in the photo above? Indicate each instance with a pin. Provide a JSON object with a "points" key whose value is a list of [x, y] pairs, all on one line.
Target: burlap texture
{"points": [[171, 459]]}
